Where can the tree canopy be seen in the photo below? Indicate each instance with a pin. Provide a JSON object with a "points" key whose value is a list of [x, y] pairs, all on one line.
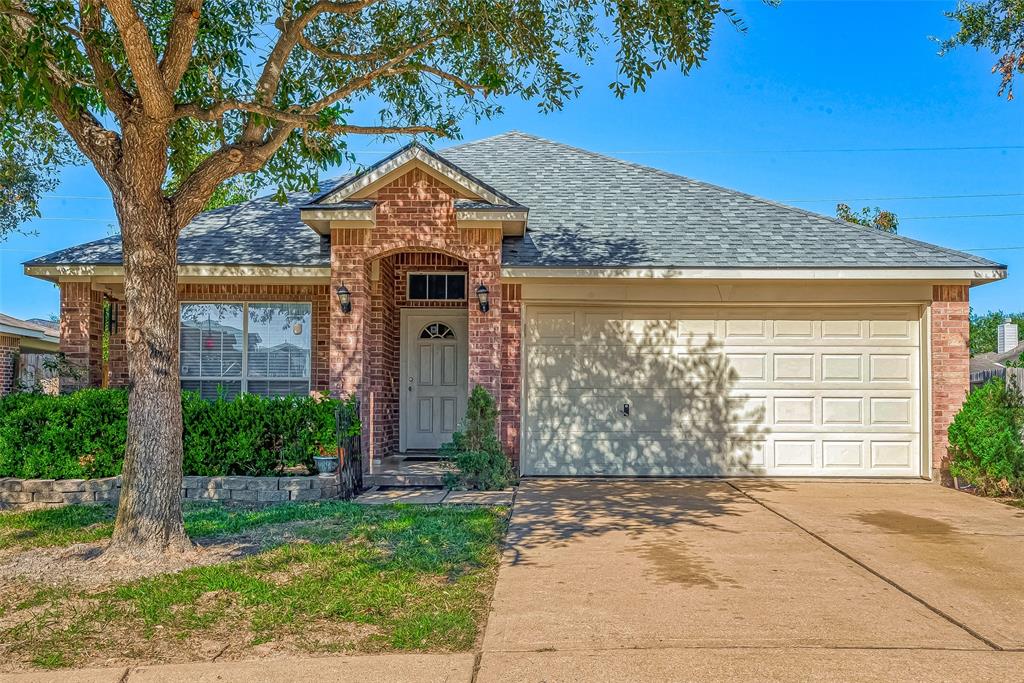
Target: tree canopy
{"points": [[995, 25], [877, 218], [267, 89]]}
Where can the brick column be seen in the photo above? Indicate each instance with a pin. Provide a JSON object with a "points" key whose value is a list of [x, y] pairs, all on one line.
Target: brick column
{"points": [[81, 333], [511, 380], [349, 364], [10, 346], [950, 333]]}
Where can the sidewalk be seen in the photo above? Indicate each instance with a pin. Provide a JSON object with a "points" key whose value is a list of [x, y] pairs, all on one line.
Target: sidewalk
{"points": [[454, 668]]}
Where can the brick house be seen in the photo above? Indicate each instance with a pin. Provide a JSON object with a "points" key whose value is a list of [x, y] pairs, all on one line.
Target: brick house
{"points": [[628, 321]]}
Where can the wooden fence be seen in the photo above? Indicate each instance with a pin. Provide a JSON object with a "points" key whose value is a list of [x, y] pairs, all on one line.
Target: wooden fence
{"points": [[1009, 374]]}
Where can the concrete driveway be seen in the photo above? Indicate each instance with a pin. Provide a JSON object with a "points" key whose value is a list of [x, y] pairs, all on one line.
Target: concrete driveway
{"points": [[719, 580]]}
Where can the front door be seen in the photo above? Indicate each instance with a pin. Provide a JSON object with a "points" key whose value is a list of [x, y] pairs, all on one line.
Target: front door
{"points": [[434, 376]]}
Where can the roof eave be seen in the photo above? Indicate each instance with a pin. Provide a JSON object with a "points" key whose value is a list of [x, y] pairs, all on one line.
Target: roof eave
{"points": [[968, 275]]}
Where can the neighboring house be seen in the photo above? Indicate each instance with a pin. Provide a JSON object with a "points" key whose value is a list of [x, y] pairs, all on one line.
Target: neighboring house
{"points": [[985, 366], [629, 321], [23, 346]]}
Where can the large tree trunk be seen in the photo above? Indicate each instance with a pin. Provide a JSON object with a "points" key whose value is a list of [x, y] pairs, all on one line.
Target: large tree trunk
{"points": [[149, 518]]}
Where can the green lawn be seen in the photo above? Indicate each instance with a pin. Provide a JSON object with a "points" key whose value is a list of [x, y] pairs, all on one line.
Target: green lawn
{"points": [[339, 577]]}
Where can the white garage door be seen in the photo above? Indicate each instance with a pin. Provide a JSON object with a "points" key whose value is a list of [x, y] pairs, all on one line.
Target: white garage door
{"points": [[794, 391]]}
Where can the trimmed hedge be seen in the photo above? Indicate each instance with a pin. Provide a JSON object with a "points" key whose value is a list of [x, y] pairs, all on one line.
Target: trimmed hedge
{"points": [[82, 435], [986, 439]]}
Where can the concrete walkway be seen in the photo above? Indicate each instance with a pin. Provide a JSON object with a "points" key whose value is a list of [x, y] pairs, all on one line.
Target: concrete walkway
{"points": [[435, 496], [716, 580], [457, 668]]}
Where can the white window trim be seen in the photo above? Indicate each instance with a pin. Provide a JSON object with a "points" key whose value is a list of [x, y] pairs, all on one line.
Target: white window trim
{"points": [[243, 380], [462, 273]]}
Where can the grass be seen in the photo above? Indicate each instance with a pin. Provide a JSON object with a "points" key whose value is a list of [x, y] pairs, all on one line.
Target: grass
{"points": [[55, 526], [349, 578], [85, 523]]}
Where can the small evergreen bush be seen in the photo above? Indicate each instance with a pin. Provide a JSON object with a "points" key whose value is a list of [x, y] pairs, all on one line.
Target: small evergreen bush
{"points": [[83, 434], [476, 458], [985, 439]]}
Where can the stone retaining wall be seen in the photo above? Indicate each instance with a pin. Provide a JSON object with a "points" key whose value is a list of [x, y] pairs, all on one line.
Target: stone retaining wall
{"points": [[24, 493]]}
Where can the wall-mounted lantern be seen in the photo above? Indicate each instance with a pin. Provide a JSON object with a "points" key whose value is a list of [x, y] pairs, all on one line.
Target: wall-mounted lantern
{"points": [[345, 299], [483, 296]]}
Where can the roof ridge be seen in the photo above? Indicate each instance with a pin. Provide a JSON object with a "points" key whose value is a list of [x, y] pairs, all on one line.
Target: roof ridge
{"points": [[678, 176], [469, 143]]}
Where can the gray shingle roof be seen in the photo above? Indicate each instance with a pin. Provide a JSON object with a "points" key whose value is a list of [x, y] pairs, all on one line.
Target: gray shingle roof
{"points": [[586, 210]]}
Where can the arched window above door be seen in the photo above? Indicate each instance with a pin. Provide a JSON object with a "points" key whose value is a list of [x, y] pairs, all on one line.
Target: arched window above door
{"points": [[437, 331]]}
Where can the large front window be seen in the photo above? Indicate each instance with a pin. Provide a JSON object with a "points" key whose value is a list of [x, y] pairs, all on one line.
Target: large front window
{"points": [[245, 347]]}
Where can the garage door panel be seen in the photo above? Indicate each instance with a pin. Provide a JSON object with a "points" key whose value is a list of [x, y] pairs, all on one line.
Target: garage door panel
{"points": [[646, 456], [805, 392]]}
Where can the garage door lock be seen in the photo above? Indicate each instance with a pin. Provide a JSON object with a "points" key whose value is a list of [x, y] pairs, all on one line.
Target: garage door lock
{"points": [[625, 409]]}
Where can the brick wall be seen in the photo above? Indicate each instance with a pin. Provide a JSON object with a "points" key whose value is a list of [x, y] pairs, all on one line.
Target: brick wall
{"points": [[9, 348], [511, 369], [950, 333], [81, 333]]}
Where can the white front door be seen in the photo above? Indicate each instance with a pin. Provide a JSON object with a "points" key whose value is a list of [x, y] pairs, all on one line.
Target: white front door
{"points": [[434, 377]]}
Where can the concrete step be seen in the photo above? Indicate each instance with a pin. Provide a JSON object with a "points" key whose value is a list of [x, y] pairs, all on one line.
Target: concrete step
{"points": [[403, 479]]}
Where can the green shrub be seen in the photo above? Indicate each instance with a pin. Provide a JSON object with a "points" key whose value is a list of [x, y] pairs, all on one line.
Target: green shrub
{"points": [[82, 435], [986, 439], [476, 457]]}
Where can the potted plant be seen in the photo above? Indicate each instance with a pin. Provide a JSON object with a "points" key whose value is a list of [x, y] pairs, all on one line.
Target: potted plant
{"points": [[328, 460]]}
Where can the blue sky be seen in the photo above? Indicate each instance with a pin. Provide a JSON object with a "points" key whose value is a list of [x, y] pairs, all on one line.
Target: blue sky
{"points": [[820, 101]]}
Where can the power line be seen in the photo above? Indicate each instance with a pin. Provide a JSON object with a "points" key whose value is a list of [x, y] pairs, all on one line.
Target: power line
{"points": [[1011, 248], [963, 215], [77, 197], [820, 150], [903, 198], [73, 218]]}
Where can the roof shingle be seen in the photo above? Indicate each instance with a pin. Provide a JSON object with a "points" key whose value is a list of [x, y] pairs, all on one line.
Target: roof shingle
{"points": [[586, 210]]}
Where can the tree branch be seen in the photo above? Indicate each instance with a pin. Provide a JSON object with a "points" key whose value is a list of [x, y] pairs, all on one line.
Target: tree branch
{"points": [[184, 28], [388, 68], [303, 116], [331, 55], [470, 88], [228, 161], [90, 22], [269, 79], [156, 99], [343, 128], [101, 146], [231, 160]]}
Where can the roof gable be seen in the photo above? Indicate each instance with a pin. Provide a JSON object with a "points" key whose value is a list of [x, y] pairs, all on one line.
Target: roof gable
{"points": [[414, 155]]}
